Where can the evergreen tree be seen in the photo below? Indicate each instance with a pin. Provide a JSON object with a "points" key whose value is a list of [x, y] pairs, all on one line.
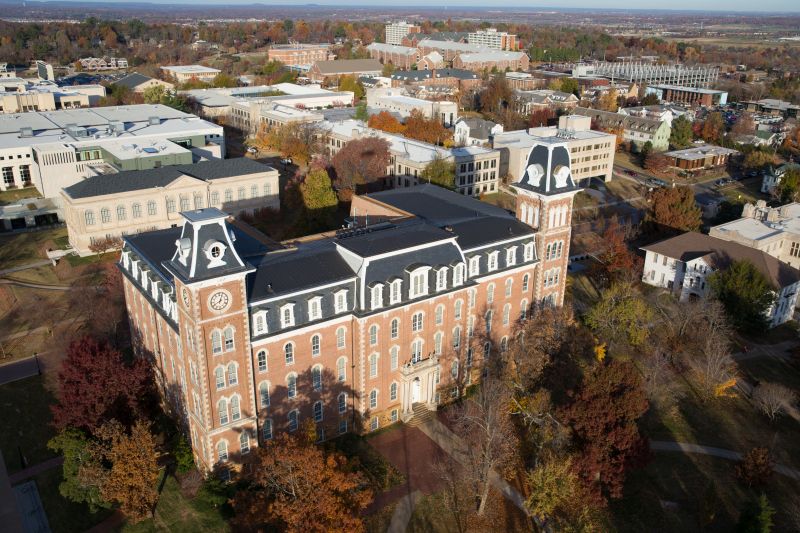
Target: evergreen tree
{"points": [[681, 135], [746, 295]]}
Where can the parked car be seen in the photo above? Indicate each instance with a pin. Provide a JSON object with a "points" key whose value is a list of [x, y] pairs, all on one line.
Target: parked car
{"points": [[655, 182], [252, 150], [286, 161], [723, 182]]}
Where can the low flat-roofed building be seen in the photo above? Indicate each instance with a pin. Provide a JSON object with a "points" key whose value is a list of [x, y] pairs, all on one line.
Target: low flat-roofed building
{"points": [[113, 205], [774, 106], [184, 73], [591, 152], [476, 167], [397, 101], [331, 71], [47, 96], [700, 157], [299, 54], [402, 57], [139, 83], [55, 149], [688, 95]]}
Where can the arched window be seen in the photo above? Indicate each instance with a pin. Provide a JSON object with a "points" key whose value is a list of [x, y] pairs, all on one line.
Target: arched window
{"points": [[292, 416], [262, 361], [417, 321], [105, 215], [316, 378], [437, 343], [341, 369], [291, 385], [236, 412], [373, 399], [263, 393], [216, 342], [504, 344], [506, 314], [526, 279], [342, 402], [488, 319], [233, 377], [88, 216], [395, 328], [457, 337], [222, 408], [136, 210], [228, 334], [317, 411], [490, 293], [340, 337], [373, 335], [288, 351], [315, 345], [416, 350], [244, 442], [458, 309], [393, 391], [454, 369], [222, 450], [487, 350], [458, 275], [394, 353], [439, 315], [266, 430], [523, 309], [509, 286], [219, 375], [121, 212], [373, 365]]}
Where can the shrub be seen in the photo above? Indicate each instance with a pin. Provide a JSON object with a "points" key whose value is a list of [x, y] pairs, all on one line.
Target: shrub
{"points": [[755, 468]]}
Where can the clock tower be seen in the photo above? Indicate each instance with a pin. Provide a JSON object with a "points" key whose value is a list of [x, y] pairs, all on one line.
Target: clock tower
{"points": [[210, 279], [544, 201]]}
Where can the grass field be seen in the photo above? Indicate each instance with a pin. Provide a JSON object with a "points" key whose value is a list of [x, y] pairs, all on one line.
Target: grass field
{"points": [[25, 424], [22, 248]]}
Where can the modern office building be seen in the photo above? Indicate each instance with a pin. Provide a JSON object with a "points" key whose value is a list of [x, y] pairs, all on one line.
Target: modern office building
{"points": [[184, 73], [55, 149], [395, 31], [46, 96], [397, 101], [688, 95], [352, 332]]}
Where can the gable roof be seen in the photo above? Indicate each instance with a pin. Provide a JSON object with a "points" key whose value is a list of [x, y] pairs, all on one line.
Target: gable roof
{"points": [[628, 122], [131, 81], [720, 254]]}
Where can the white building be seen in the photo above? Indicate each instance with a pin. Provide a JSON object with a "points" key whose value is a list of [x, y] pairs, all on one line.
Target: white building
{"points": [[772, 177], [21, 96], [475, 131], [55, 149], [396, 100], [491, 38], [684, 263], [395, 31], [184, 73]]}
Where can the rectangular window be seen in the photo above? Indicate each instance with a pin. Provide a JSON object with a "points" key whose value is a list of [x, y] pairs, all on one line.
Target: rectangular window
{"points": [[266, 431]]}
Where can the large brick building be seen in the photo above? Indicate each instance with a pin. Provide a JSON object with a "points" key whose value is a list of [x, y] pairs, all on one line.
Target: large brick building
{"points": [[352, 332]]}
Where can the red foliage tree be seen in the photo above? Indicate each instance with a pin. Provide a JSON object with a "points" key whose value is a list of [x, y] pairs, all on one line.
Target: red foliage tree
{"points": [[603, 417], [95, 385], [616, 262], [541, 117], [427, 130], [361, 161]]}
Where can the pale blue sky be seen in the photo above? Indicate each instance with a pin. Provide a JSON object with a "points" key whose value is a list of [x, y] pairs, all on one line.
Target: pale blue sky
{"points": [[705, 5]]}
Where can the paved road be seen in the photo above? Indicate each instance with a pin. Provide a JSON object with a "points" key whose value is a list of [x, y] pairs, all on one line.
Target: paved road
{"points": [[24, 368], [36, 264]]}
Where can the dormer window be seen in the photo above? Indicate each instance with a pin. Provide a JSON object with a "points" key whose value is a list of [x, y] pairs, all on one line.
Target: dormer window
{"points": [[458, 275], [419, 282], [511, 256], [260, 322], [441, 279], [528, 251], [184, 246], [214, 251], [315, 308], [493, 261], [395, 291], [287, 315], [340, 301], [376, 296], [474, 266]]}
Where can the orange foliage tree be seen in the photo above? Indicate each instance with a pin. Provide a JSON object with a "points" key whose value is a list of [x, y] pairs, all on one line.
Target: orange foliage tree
{"points": [[427, 130], [297, 487], [385, 121]]}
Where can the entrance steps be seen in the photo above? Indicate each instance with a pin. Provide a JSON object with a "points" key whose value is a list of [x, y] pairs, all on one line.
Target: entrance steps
{"points": [[421, 415]]}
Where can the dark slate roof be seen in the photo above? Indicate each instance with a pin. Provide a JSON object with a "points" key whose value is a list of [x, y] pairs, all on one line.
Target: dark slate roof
{"points": [[310, 265], [131, 81], [134, 180], [387, 238], [472, 233], [719, 254], [155, 247]]}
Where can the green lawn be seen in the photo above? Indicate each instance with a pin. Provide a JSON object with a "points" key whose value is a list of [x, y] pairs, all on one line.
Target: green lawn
{"points": [[25, 422], [500, 199], [176, 513], [63, 515], [12, 195], [21, 248]]}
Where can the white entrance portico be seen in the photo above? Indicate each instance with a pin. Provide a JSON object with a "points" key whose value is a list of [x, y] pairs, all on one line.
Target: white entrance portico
{"points": [[418, 384]]}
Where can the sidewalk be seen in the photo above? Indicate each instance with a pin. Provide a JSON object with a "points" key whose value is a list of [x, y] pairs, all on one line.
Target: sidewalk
{"points": [[35, 470], [37, 264]]}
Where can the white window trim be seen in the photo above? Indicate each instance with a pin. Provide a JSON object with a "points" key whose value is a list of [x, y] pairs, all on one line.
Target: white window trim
{"points": [[492, 263], [441, 279], [263, 316], [396, 291], [287, 323], [421, 271], [338, 308], [376, 296], [311, 302], [511, 256]]}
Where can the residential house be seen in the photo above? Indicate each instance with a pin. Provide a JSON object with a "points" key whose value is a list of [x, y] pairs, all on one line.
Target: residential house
{"points": [[475, 131], [773, 176], [636, 130]]}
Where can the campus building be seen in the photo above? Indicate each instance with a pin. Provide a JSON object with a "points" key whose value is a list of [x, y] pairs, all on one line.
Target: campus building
{"points": [[107, 207], [46, 96], [688, 95], [330, 71], [636, 130], [491, 38], [401, 57], [249, 338], [397, 101], [700, 157], [184, 73], [299, 55], [55, 149], [396, 31]]}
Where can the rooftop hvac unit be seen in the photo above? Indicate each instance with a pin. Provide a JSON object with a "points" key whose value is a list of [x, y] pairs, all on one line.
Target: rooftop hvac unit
{"points": [[116, 126], [154, 121], [26, 132]]}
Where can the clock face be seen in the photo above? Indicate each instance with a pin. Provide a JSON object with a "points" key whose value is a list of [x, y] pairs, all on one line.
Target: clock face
{"points": [[185, 296], [219, 301]]}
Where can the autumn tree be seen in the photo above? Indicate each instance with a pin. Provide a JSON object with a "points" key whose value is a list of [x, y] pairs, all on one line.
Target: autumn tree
{"points": [[755, 468], [758, 160], [788, 190], [428, 130], [744, 125], [650, 99], [746, 294], [773, 399], [603, 417], [154, 94], [608, 101], [681, 134], [713, 128], [130, 480], [496, 96], [75, 447], [385, 121], [95, 384], [483, 423], [292, 474], [319, 199], [300, 141], [656, 162], [361, 161], [621, 315], [224, 80], [616, 262], [673, 209], [351, 83], [441, 172]]}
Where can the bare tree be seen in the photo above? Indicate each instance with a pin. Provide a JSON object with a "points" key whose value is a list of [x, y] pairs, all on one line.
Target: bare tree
{"points": [[660, 380], [773, 399], [483, 423], [714, 368]]}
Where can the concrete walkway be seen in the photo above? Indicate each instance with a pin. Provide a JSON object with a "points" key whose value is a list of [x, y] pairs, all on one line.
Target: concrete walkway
{"points": [[35, 470], [18, 283], [37, 264], [685, 447], [402, 513], [20, 369], [780, 350]]}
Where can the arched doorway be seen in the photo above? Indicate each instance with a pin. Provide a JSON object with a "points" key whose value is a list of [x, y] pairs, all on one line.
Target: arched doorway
{"points": [[415, 390]]}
